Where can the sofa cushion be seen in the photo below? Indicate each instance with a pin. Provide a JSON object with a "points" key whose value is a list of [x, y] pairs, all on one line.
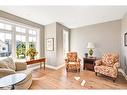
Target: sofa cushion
{"points": [[7, 63], [20, 66], [5, 72], [2, 64]]}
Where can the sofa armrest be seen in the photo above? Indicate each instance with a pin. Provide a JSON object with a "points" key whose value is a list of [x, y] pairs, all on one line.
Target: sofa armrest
{"points": [[5, 72], [21, 66], [98, 62]]}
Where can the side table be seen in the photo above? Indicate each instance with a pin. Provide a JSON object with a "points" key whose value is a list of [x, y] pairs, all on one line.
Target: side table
{"points": [[88, 63], [34, 61]]}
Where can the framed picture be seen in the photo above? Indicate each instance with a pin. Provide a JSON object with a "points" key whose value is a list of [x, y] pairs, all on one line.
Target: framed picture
{"points": [[50, 44], [125, 39]]}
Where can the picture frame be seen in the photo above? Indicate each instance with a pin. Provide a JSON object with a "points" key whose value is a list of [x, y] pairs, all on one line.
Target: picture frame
{"points": [[125, 39], [50, 44]]}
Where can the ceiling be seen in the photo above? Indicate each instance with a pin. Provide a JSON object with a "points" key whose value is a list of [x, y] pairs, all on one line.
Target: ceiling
{"points": [[70, 16]]}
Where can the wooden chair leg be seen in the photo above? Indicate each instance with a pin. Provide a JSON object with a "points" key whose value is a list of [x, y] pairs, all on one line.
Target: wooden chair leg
{"points": [[114, 79], [79, 69], [96, 73], [67, 69]]}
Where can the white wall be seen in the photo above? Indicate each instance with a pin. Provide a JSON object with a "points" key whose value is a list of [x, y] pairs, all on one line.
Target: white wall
{"points": [[105, 36], [124, 48]]}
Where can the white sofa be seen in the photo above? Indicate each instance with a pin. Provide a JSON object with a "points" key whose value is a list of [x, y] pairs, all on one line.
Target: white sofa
{"points": [[8, 66]]}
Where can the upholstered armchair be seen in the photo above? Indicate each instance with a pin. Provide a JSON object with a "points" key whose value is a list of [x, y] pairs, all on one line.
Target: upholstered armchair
{"points": [[108, 65], [72, 62]]}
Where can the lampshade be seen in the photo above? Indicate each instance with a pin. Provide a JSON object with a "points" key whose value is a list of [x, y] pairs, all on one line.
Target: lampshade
{"points": [[90, 45]]}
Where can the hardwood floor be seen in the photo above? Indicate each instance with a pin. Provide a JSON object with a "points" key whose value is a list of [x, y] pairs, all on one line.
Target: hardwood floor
{"points": [[60, 79]]}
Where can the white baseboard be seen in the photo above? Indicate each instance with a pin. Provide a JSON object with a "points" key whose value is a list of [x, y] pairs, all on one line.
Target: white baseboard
{"points": [[62, 65], [120, 70], [55, 68]]}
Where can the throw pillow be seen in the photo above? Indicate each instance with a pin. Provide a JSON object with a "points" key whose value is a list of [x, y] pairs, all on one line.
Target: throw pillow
{"points": [[8, 63]]}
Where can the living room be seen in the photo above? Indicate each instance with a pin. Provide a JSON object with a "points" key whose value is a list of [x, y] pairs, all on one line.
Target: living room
{"points": [[51, 33]]}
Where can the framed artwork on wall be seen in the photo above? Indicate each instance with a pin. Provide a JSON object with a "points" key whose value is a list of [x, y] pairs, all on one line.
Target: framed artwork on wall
{"points": [[125, 39], [50, 44]]}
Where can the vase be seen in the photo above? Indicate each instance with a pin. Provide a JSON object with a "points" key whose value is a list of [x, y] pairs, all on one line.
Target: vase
{"points": [[90, 52], [31, 57], [86, 55]]}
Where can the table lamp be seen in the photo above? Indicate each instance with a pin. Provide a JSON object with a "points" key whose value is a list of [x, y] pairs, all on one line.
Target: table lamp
{"points": [[90, 46]]}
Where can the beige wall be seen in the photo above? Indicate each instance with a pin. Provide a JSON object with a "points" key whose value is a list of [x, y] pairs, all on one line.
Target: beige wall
{"points": [[26, 22], [50, 32], [124, 48], [105, 36], [55, 30], [59, 35]]}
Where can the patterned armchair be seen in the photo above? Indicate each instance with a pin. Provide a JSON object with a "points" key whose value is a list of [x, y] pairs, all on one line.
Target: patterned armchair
{"points": [[72, 62], [108, 65]]}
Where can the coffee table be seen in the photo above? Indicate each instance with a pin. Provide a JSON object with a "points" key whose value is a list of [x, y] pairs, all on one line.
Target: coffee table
{"points": [[12, 80]]}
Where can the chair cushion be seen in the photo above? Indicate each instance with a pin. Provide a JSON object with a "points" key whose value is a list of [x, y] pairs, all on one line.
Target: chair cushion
{"points": [[109, 59], [106, 70], [72, 62], [72, 56], [7, 63]]}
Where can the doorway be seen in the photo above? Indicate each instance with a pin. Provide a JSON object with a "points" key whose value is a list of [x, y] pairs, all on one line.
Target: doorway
{"points": [[65, 42]]}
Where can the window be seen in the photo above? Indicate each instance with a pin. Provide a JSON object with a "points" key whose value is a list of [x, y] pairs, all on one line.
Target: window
{"points": [[32, 32], [25, 38], [5, 26], [1, 26], [5, 44], [20, 29], [32, 38], [15, 39], [20, 46]]}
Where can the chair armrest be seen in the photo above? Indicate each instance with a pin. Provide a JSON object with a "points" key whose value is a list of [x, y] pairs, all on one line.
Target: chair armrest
{"points": [[21, 66], [116, 65], [78, 59], [5, 72], [66, 60], [98, 62]]}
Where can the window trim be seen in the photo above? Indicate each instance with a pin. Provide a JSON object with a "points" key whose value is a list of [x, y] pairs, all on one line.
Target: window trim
{"points": [[13, 33]]}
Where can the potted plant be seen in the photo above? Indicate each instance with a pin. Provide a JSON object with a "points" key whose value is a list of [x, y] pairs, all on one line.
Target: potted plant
{"points": [[31, 52], [20, 50]]}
